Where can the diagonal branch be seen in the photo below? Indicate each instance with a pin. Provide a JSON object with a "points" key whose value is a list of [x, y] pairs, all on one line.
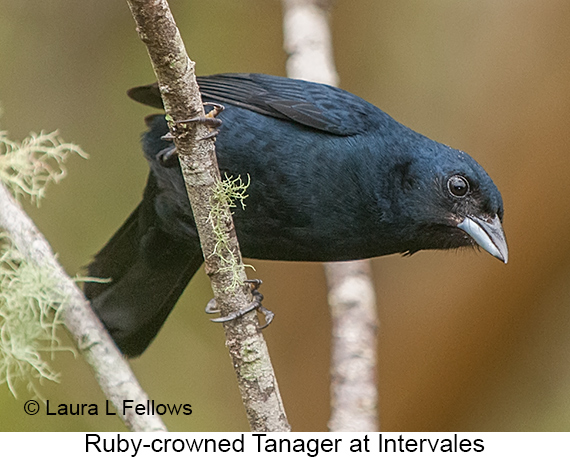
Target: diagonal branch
{"points": [[111, 369], [177, 82]]}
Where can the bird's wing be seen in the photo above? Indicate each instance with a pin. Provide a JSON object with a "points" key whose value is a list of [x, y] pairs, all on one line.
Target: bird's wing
{"points": [[313, 105]]}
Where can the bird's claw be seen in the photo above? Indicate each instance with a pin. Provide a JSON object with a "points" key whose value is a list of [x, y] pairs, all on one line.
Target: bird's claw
{"points": [[254, 283], [255, 304], [206, 120], [212, 134], [212, 308], [167, 157], [267, 314], [209, 120], [216, 109]]}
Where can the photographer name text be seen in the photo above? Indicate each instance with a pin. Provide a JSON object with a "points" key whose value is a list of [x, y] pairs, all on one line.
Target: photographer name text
{"points": [[148, 408]]}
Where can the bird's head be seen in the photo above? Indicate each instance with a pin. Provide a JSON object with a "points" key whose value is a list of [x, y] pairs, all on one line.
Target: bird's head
{"points": [[456, 203]]}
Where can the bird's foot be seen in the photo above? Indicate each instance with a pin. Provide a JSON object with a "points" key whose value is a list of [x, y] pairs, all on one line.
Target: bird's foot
{"points": [[168, 156], [209, 120], [212, 307]]}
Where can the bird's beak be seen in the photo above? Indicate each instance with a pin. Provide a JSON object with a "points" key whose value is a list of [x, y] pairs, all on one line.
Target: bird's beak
{"points": [[488, 234]]}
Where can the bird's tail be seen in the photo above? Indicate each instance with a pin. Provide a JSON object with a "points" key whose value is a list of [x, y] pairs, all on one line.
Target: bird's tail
{"points": [[148, 271]]}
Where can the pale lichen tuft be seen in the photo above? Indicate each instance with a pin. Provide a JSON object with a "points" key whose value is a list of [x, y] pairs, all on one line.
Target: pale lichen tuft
{"points": [[27, 167], [229, 192], [30, 313]]}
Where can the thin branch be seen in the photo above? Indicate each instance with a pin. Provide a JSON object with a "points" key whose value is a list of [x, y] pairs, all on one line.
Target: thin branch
{"points": [[355, 327], [354, 396], [111, 370], [176, 79], [307, 41]]}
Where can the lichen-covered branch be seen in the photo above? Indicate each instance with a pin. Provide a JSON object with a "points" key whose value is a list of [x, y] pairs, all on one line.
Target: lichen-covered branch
{"points": [[354, 397], [111, 370], [176, 80]]}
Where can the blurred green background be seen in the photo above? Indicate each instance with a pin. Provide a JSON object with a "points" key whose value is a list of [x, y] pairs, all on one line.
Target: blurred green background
{"points": [[466, 343]]}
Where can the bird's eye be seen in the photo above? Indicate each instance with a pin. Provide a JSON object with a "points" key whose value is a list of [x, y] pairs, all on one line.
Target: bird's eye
{"points": [[458, 186]]}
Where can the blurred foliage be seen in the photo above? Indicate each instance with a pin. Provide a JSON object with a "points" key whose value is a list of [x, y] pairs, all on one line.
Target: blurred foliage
{"points": [[27, 167], [466, 343]]}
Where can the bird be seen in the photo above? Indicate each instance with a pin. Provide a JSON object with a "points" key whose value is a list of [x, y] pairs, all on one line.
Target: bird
{"points": [[332, 178]]}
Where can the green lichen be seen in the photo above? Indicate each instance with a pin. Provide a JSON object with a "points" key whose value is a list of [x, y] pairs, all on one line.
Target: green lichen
{"points": [[27, 167], [253, 366], [229, 192], [30, 313], [30, 302]]}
